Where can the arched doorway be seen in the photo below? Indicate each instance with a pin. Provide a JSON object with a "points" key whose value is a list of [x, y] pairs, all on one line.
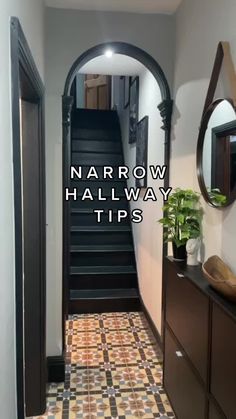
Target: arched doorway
{"points": [[165, 108]]}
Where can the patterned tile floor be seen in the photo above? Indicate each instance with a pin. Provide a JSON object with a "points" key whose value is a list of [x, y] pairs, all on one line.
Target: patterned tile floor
{"points": [[113, 371]]}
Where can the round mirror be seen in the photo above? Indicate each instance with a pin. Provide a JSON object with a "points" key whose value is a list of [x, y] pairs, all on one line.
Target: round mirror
{"points": [[216, 154]]}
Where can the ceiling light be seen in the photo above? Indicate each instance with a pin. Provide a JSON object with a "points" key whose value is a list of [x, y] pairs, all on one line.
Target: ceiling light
{"points": [[108, 53]]}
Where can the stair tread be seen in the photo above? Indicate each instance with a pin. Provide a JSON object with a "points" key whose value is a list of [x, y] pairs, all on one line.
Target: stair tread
{"points": [[95, 113], [102, 248], [95, 134], [104, 293], [98, 270], [98, 153], [96, 146], [100, 228], [111, 153]]}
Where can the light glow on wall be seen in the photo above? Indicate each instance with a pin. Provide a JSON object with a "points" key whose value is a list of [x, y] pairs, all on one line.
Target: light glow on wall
{"points": [[109, 53]]}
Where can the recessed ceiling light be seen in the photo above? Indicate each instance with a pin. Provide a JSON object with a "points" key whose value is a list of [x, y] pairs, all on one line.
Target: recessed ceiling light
{"points": [[108, 53]]}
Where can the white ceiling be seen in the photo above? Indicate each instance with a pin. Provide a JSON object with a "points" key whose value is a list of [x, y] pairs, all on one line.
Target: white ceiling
{"points": [[117, 65], [135, 6]]}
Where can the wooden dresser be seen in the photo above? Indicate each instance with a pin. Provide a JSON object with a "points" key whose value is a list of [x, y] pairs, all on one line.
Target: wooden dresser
{"points": [[199, 346]]}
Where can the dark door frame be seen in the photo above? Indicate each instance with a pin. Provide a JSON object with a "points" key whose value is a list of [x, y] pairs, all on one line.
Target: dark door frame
{"points": [[165, 108], [22, 63]]}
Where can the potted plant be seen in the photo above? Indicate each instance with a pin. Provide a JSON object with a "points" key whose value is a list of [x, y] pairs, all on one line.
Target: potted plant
{"points": [[182, 220]]}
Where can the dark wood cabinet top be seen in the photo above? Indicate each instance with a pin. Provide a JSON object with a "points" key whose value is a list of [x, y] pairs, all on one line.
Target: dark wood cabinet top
{"points": [[196, 276]]}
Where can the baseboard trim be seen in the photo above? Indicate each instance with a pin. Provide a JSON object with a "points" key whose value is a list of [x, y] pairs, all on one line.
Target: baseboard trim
{"points": [[56, 369], [151, 324]]}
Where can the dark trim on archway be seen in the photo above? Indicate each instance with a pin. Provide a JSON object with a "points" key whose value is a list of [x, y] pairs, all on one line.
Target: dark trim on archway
{"points": [[125, 49], [67, 103], [165, 108]]}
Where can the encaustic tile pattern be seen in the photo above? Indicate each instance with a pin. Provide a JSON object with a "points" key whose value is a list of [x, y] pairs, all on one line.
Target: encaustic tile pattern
{"points": [[113, 371]]}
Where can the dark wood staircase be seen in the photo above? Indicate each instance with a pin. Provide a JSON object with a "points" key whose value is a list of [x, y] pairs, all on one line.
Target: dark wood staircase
{"points": [[103, 274]]}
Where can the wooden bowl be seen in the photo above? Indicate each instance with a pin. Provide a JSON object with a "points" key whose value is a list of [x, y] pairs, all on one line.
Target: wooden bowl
{"points": [[220, 276]]}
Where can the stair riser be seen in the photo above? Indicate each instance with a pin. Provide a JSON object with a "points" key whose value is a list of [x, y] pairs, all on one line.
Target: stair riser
{"points": [[104, 306], [89, 159], [104, 238], [94, 185], [91, 220], [96, 204], [97, 119], [101, 258], [93, 282], [96, 146], [95, 135]]}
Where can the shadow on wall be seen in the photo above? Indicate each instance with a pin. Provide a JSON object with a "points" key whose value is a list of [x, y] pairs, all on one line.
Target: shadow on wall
{"points": [[187, 119], [176, 116]]}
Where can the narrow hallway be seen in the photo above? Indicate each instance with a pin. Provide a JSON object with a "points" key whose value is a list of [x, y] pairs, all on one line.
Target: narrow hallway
{"points": [[113, 370]]}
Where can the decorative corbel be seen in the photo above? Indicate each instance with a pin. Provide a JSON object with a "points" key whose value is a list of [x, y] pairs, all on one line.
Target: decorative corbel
{"points": [[165, 108]]}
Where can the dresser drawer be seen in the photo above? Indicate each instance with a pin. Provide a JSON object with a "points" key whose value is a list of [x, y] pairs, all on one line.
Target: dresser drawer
{"points": [[223, 361], [187, 310], [183, 388]]}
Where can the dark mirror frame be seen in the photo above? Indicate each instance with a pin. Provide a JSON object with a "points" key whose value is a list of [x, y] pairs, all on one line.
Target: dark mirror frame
{"points": [[203, 128]]}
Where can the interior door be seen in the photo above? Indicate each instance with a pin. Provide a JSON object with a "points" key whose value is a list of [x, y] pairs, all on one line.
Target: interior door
{"points": [[97, 92], [33, 259], [221, 165]]}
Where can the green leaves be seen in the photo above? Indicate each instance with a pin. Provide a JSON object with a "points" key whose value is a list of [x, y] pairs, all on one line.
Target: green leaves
{"points": [[182, 216], [217, 198]]}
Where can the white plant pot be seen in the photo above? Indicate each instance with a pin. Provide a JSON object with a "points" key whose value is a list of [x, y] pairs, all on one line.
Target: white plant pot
{"points": [[192, 248]]}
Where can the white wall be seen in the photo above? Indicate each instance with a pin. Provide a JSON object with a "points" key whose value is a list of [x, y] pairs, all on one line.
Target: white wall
{"points": [[222, 114], [31, 15], [148, 234], [69, 34], [200, 26]]}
